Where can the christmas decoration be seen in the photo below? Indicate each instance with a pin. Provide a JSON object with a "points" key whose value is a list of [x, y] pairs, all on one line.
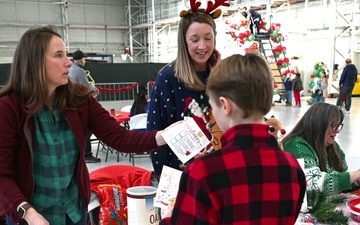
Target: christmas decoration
{"points": [[276, 128], [238, 27], [202, 116], [283, 62], [323, 207]]}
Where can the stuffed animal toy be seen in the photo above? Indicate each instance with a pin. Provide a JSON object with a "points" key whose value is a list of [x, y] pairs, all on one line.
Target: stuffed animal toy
{"points": [[203, 117], [276, 128]]}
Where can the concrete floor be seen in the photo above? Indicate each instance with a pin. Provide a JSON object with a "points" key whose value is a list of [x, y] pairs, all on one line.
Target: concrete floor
{"points": [[288, 116]]}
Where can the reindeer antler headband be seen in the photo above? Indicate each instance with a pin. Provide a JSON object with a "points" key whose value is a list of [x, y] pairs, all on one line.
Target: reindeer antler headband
{"points": [[211, 8]]}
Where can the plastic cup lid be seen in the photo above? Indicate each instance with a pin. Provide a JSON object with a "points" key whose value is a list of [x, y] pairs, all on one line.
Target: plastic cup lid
{"points": [[141, 190]]}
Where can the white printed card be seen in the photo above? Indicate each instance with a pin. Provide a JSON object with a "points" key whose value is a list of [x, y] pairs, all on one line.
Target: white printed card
{"points": [[168, 187], [186, 139]]}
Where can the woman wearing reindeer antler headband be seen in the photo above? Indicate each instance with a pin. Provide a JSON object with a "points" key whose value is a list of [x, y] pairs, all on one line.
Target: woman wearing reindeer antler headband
{"points": [[183, 81]]}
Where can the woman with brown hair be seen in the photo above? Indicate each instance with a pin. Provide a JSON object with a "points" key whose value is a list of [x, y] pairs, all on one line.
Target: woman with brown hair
{"points": [[313, 139], [181, 84], [44, 117]]}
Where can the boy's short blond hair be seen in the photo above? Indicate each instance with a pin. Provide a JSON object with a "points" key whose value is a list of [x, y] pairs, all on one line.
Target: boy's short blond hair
{"points": [[246, 80]]}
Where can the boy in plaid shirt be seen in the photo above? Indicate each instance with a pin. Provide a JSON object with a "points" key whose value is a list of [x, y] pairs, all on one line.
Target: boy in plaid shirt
{"points": [[250, 180]]}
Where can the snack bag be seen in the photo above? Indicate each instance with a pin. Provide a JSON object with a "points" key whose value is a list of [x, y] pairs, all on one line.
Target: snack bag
{"points": [[113, 205]]}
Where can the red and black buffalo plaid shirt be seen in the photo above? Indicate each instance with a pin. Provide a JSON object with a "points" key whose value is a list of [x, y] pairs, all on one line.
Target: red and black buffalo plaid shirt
{"points": [[249, 181]]}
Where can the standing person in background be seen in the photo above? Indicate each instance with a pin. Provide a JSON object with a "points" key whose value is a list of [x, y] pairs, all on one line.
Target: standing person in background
{"points": [[324, 85], [316, 90], [250, 180], [288, 88], [44, 116], [78, 74], [297, 86], [140, 105], [254, 18], [320, 88], [313, 139], [180, 85], [346, 84]]}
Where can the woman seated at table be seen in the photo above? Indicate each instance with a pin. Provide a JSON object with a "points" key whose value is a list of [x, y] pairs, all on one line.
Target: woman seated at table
{"points": [[313, 138], [140, 105]]}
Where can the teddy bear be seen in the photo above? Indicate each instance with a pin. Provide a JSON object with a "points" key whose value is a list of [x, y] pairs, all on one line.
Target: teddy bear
{"points": [[276, 128]]}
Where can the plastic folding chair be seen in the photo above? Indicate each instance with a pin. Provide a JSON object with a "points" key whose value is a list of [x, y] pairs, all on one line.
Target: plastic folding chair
{"points": [[126, 108], [138, 122]]}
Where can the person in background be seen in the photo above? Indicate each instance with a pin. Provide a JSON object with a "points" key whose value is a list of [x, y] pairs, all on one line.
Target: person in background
{"points": [[254, 18], [346, 84], [180, 85], [140, 105], [320, 88], [313, 139], [297, 86], [250, 180], [324, 85], [44, 116], [78, 74], [288, 88]]}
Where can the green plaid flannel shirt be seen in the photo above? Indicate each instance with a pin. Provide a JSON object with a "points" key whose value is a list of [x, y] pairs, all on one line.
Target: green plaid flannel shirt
{"points": [[55, 163]]}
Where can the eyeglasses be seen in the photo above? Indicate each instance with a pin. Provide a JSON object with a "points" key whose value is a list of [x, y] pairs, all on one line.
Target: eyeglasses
{"points": [[337, 127]]}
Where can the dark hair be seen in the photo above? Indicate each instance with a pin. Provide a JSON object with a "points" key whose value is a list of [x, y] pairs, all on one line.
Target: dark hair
{"points": [[298, 74], [139, 104], [27, 74], [312, 127]]}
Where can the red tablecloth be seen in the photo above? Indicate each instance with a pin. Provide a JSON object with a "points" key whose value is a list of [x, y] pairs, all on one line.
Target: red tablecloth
{"points": [[121, 116]]}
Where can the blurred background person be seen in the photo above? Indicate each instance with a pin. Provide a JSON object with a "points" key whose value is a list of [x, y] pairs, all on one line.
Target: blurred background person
{"points": [[288, 88], [346, 84], [78, 74], [140, 104], [254, 18], [319, 89], [297, 86]]}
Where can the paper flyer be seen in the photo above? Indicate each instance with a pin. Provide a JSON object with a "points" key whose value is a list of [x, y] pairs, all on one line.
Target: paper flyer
{"points": [[168, 187], [304, 206], [186, 139]]}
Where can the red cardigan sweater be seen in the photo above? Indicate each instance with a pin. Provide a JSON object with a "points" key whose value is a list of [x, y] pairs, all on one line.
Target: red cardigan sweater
{"points": [[16, 147]]}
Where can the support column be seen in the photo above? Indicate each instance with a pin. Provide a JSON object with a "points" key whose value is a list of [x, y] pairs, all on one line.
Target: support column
{"points": [[154, 33], [65, 22], [130, 28]]}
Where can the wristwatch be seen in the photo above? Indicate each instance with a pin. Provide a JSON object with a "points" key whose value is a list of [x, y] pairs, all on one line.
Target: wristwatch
{"points": [[357, 182], [22, 210]]}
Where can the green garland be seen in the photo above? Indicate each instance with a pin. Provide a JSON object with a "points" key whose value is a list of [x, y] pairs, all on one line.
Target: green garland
{"points": [[323, 207]]}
